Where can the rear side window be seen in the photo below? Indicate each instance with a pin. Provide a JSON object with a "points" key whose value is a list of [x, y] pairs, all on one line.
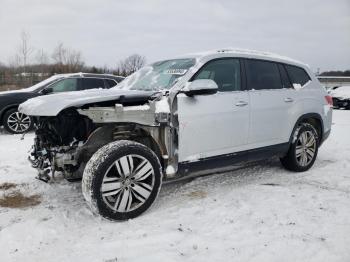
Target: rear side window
{"points": [[91, 83], [297, 75], [111, 83], [226, 73], [262, 75]]}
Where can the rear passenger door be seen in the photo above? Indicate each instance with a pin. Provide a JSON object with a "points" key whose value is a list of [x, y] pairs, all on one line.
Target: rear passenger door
{"points": [[273, 103]]}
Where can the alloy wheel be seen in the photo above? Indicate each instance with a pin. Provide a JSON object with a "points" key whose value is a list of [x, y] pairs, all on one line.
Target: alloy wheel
{"points": [[128, 183], [18, 122], [306, 148]]}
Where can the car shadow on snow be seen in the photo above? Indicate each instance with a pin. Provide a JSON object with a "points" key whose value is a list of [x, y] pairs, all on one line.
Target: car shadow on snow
{"points": [[265, 173]]}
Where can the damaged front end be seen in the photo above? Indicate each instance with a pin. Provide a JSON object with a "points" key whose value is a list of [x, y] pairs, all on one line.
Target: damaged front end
{"points": [[57, 141], [65, 143]]}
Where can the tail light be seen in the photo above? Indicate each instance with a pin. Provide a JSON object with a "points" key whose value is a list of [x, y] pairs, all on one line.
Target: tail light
{"points": [[329, 100]]}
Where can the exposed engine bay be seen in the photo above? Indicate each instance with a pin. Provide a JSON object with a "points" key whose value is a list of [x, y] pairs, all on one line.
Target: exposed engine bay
{"points": [[56, 143], [65, 143]]}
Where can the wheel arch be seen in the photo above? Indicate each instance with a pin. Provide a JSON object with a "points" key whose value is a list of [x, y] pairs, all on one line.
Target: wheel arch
{"points": [[5, 109], [127, 131], [314, 119]]}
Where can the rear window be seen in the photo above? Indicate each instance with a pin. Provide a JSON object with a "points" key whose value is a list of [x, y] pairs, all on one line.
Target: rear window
{"points": [[91, 83], [297, 75], [262, 75]]}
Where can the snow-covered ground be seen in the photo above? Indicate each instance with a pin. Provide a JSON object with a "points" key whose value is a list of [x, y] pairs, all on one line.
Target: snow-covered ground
{"points": [[258, 213]]}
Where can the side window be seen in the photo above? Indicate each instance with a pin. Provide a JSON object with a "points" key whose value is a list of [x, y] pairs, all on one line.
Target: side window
{"points": [[285, 79], [225, 72], [111, 82], [262, 75], [297, 75], [65, 85], [91, 83]]}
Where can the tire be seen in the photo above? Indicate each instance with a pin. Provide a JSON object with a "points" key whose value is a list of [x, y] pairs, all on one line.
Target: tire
{"points": [[122, 180], [16, 122], [305, 144]]}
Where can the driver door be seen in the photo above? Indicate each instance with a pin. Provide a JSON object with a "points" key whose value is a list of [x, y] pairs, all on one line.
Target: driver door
{"points": [[214, 125]]}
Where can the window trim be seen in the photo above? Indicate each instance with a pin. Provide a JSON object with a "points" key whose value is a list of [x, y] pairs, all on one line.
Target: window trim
{"points": [[288, 78], [224, 58]]}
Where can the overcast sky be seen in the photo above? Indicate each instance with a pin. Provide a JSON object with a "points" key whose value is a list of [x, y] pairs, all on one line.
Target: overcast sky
{"points": [[316, 32]]}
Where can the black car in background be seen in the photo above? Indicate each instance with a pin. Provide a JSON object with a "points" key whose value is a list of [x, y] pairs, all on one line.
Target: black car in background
{"points": [[17, 123]]}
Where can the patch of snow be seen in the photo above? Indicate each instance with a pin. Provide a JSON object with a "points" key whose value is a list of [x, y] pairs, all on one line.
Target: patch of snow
{"points": [[136, 108], [243, 51], [51, 105], [162, 106], [257, 213], [193, 158], [170, 170]]}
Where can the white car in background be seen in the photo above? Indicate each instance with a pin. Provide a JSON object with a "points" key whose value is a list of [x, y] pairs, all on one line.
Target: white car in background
{"points": [[191, 115], [341, 97]]}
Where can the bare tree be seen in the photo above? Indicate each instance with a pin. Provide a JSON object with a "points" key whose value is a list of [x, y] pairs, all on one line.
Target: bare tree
{"points": [[42, 60], [59, 54], [15, 61], [131, 64], [41, 57], [66, 59], [24, 49]]}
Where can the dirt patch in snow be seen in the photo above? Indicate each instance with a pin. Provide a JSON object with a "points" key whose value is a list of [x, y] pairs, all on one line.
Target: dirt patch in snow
{"points": [[18, 200], [7, 186], [198, 194]]}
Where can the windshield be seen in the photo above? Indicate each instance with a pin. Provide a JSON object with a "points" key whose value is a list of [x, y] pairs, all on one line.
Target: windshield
{"points": [[158, 76]]}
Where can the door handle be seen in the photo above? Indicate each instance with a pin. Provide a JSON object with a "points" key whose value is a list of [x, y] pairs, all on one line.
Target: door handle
{"points": [[288, 100], [241, 103]]}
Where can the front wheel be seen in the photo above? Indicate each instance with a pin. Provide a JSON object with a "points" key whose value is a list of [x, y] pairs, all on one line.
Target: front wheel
{"points": [[303, 150], [16, 122], [122, 180]]}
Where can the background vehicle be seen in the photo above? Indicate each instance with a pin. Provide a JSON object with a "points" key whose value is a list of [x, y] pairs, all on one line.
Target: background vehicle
{"points": [[187, 116], [341, 97], [16, 123]]}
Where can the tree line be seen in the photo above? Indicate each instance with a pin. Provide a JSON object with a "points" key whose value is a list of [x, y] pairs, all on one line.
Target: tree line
{"points": [[29, 65], [336, 73]]}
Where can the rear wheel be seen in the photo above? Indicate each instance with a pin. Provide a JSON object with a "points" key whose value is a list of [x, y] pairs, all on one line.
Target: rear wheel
{"points": [[16, 122], [303, 150], [122, 180]]}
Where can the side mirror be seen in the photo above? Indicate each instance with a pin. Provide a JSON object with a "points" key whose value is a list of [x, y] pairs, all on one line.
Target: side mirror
{"points": [[201, 87], [47, 91]]}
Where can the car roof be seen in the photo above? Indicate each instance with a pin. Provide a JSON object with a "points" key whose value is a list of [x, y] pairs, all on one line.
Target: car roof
{"points": [[244, 53], [87, 75]]}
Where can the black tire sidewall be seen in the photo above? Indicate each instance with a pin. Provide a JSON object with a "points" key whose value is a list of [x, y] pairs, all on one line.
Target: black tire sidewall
{"points": [[113, 155], [7, 128]]}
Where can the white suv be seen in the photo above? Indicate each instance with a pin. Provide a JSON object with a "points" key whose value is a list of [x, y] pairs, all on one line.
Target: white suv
{"points": [[192, 115]]}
